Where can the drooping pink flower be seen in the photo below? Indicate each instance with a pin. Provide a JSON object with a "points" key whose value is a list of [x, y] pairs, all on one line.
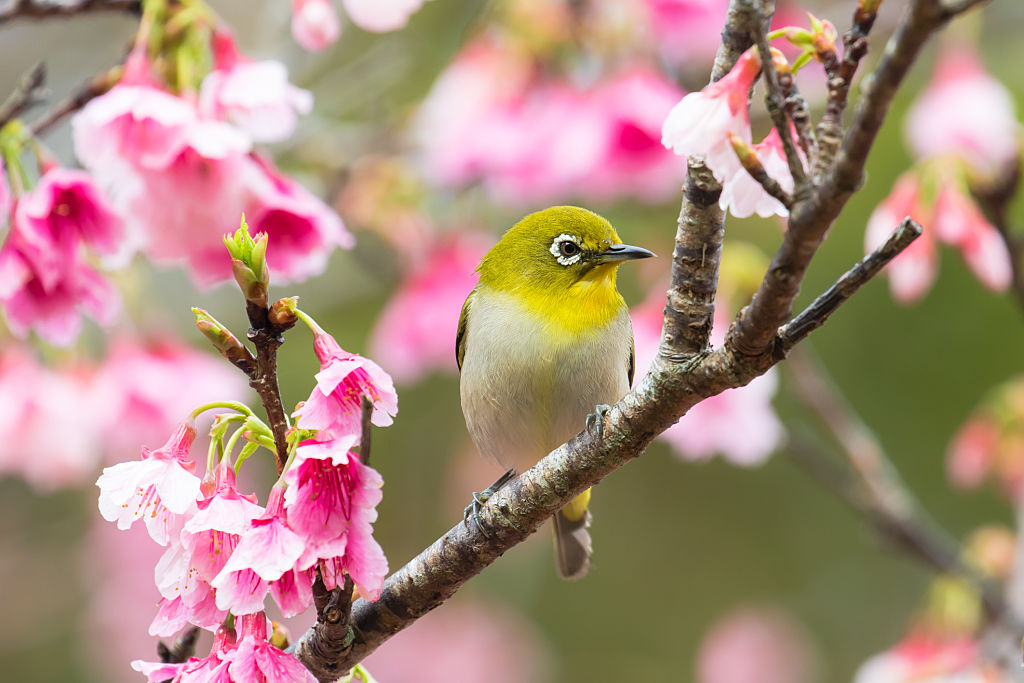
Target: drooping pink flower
{"points": [[912, 273], [381, 16], [454, 644], [701, 122], [158, 489], [254, 96], [739, 423], [41, 291], [255, 659], [315, 24], [964, 113], [744, 196], [134, 123], [758, 644], [972, 452], [64, 210], [335, 403], [959, 221], [413, 334], [210, 669], [266, 550]]}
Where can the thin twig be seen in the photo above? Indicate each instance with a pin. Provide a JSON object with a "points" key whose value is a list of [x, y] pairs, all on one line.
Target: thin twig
{"points": [[995, 199], [267, 338], [28, 93], [815, 315], [183, 648], [799, 113], [94, 87], [41, 9], [878, 492], [365, 428]]}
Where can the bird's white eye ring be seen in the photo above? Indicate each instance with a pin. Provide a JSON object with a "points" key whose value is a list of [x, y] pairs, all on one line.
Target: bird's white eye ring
{"points": [[566, 250]]}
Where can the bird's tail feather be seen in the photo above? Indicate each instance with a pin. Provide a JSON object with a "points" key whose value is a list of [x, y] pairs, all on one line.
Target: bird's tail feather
{"points": [[573, 546]]}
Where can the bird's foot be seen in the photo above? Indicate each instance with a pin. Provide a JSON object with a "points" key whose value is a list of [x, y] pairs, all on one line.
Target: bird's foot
{"points": [[480, 499], [595, 420]]}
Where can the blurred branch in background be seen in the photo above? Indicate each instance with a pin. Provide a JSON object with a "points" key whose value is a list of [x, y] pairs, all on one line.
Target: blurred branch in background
{"points": [[29, 92], [42, 9]]}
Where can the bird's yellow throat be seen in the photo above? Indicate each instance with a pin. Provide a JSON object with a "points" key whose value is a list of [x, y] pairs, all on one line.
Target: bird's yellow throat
{"points": [[587, 305]]}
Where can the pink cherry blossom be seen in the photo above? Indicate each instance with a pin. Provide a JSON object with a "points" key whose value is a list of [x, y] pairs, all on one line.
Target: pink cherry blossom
{"points": [[66, 209], [210, 669], [740, 423], [159, 489], [414, 332], [265, 551], [756, 644], [335, 403], [971, 453], [146, 385], [744, 196], [912, 273], [315, 24], [960, 222], [332, 501], [687, 30], [701, 122], [255, 659], [923, 659], [381, 16], [254, 96], [964, 113]]}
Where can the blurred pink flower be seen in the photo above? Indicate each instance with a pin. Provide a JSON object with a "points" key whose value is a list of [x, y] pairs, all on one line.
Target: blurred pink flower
{"points": [[701, 122], [315, 24], [254, 96], [912, 273], [63, 211], [455, 643], [740, 423], [414, 332], [744, 196], [687, 30], [971, 453], [959, 221], [334, 404], [964, 113], [381, 16], [159, 489], [922, 659], [756, 645], [146, 386]]}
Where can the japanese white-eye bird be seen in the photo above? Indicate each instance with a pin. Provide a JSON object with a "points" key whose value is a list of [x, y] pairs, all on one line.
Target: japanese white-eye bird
{"points": [[543, 339]]}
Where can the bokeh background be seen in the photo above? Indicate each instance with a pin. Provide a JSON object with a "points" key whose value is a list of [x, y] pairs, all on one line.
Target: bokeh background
{"points": [[679, 545]]}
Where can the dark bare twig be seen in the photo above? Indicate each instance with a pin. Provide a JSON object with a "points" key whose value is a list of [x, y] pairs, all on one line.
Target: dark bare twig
{"points": [[365, 428], [753, 166], [27, 94], [183, 648], [798, 112], [267, 338], [815, 315], [41, 9]]}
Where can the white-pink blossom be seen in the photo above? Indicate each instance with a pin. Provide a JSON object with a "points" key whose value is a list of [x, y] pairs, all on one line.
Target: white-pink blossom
{"points": [[255, 659], [315, 24], [743, 196], [701, 122], [381, 16], [912, 273]]}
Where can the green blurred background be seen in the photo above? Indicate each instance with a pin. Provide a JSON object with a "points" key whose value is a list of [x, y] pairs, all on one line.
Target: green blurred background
{"points": [[677, 544]]}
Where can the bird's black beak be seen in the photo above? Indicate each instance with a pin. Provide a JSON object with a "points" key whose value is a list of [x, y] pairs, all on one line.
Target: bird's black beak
{"points": [[623, 252]]}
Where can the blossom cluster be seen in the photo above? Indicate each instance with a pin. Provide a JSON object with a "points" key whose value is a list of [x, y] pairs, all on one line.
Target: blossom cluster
{"points": [[315, 23], [963, 132], [225, 553], [495, 118], [109, 407]]}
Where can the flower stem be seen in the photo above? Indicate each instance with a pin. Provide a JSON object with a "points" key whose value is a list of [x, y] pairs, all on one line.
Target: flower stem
{"points": [[230, 405]]}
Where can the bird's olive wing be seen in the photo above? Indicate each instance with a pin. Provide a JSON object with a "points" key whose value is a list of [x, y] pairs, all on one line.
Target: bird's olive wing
{"points": [[460, 335]]}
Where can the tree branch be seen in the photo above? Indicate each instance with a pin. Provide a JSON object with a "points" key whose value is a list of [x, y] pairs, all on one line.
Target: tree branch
{"points": [[815, 315], [94, 87], [27, 94], [41, 9], [267, 337]]}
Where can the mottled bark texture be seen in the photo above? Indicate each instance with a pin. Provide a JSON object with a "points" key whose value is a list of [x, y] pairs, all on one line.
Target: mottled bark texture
{"points": [[40, 9]]}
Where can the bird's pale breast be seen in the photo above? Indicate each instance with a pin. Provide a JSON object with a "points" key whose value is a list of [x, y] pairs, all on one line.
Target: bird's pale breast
{"points": [[527, 388]]}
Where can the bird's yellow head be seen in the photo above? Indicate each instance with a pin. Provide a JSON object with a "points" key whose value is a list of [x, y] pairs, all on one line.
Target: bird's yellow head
{"points": [[561, 262]]}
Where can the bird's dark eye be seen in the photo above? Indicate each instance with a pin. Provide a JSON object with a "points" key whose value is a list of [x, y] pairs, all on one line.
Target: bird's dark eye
{"points": [[568, 249]]}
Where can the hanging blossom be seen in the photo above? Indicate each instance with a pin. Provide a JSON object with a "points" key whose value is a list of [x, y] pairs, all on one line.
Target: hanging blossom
{"points": [[174, 168], [762, 643], [922, 659], [45, 282], [702, 121], [315, 24], [955, 220], [213, 667], [532, 138], [414, 332], [743, 196], [739, 423], [965, 114]]}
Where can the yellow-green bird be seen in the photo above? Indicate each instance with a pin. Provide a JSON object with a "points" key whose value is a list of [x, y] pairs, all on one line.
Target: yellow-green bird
{"points": [[543, 339]]}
